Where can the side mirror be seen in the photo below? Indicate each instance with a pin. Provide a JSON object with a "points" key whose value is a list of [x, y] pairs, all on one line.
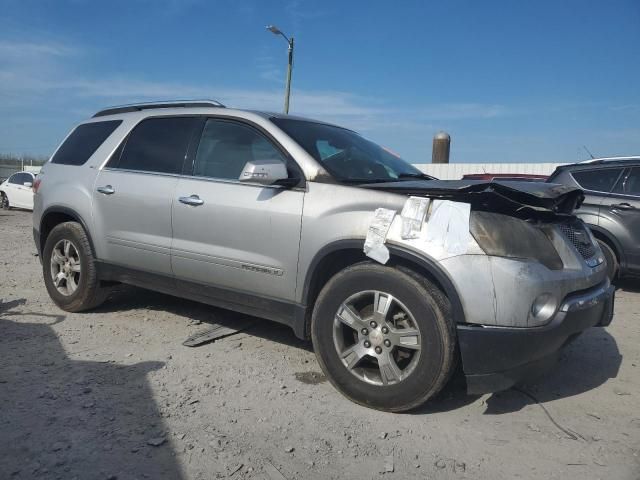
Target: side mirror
{"points": [[264, 172], [28, 184]]}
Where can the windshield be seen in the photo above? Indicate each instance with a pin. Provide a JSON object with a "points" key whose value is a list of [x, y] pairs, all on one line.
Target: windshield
{"points": [[346, 155]]}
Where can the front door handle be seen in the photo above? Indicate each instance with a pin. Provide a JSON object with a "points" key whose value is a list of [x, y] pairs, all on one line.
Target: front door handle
{"points": [[623, 206], [107, 190], [193, 200]]}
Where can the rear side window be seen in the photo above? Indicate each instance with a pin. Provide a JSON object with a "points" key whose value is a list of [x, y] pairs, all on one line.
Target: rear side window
{"points": [[156, 145], [599, 180], [83, 142]]}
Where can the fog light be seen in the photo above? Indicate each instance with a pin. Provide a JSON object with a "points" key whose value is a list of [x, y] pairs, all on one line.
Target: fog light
{"points": [[543, 307]]}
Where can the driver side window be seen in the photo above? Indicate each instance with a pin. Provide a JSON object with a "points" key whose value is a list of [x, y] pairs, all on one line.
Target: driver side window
{"points": [[225, 147], [631, 185]]}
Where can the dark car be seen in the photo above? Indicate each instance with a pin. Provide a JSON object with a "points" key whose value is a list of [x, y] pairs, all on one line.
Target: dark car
{"points": [[611, 207]]}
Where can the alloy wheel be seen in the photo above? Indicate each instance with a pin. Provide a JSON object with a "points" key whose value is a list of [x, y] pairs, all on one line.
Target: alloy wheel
{"points": [[376, 338], [65, 267]]}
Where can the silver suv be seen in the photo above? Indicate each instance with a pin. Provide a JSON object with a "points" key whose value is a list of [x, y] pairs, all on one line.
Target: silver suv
{"points": [[396, 277]]}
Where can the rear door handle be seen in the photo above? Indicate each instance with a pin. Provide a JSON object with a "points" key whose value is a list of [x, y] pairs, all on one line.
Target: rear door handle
{"points": [[193, 200], [623, 206], [107, 190]]}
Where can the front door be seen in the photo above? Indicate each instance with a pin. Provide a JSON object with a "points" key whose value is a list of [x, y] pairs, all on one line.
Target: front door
{"points": [[230, 235], [133, 195], [621, 211], [18, 193], [596, 183]]}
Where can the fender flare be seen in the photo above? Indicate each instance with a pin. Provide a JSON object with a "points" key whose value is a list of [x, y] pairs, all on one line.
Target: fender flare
{"points": [[396, 251], [71, 213]]}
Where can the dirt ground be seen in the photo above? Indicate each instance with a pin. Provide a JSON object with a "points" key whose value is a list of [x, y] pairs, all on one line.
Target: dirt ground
{"points": [[113, 394]]}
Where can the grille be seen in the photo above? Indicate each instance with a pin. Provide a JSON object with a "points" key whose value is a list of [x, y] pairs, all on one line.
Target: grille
{"points": [[580, 238]]}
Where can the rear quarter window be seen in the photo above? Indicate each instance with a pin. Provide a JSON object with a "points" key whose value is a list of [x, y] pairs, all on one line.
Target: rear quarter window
{"points": [[597, 180], [83, 142]]}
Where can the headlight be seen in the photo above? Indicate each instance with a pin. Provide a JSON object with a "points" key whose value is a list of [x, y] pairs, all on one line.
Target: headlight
{"points": [[505, 236]]}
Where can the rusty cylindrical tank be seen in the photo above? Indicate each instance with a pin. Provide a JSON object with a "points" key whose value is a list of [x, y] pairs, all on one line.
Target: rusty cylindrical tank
{"points": [[441, 148]]}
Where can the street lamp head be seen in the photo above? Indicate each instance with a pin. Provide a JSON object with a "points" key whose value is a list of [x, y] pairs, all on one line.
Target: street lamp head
{"points": [[273, 29]]}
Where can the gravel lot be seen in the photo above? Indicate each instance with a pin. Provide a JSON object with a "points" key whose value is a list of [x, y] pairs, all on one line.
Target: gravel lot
{"points": [[114, 394]]}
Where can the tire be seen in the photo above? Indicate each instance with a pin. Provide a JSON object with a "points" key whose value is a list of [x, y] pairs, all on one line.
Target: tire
{"points": [[88, 292], [4, 201], [611, 259], [370, 383]]}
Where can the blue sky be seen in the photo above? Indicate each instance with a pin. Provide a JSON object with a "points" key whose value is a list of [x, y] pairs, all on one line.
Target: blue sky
{"points": [[511, 81]]}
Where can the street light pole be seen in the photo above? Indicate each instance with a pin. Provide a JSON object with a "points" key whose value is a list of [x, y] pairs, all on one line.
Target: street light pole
{"points": [[289, 69], [276, 31]]}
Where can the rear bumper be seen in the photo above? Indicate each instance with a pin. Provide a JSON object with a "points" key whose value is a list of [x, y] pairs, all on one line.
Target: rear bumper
{"points": [[497, 358]]}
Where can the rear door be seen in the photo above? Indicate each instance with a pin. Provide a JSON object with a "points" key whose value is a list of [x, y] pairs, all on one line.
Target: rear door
{"points": [[233, 236], [133, 194], [621, 210]]}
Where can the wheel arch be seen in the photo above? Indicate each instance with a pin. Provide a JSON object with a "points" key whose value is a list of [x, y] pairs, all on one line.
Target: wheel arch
{"points": [[610, 239], [54, 216], [340, 254]]}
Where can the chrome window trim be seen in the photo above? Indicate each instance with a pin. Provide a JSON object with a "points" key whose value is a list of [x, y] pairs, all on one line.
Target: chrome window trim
{"points": [[206, 179]]}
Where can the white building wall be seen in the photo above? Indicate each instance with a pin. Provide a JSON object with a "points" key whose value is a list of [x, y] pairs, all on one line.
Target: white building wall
{"points": [[455, 171]]}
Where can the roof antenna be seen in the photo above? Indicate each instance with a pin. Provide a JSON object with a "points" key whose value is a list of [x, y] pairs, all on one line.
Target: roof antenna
{"points": [[590, 154]]}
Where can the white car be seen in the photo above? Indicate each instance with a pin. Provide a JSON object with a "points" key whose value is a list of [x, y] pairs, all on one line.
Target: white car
{"points": [[16, 191]]}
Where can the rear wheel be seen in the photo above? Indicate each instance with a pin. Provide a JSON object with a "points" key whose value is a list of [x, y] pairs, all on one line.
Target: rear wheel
{"points": [[611, 259], [69, 269], [4, 201], [383, 336]]}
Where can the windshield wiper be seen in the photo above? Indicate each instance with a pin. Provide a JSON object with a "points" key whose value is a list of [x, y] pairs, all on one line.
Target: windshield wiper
{"points": [[366, 180], [422, 176]]}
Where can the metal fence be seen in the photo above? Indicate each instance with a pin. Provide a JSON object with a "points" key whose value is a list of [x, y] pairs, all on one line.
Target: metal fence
{"points": [[455, 171]]}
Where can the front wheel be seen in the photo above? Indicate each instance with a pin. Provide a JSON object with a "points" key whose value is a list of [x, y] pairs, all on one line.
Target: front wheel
{"points": [[384, 336], [4, 201], [69, 269]]}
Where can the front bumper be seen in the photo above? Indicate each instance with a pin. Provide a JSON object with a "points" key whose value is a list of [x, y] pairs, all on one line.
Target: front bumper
{"points": [[497, 358]]}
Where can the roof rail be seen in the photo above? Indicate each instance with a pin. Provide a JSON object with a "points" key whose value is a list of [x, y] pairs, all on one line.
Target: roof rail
{"points": [[137, 107], [611, 159]]}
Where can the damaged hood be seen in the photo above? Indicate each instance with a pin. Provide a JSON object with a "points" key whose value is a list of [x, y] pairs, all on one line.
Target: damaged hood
{"points": [[506, 197]]}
